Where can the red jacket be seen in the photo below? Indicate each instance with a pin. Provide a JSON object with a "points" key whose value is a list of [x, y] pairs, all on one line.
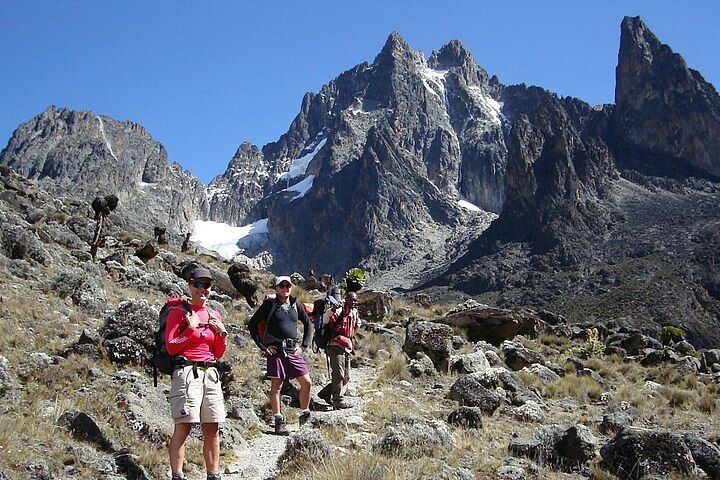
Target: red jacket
{"points": [[199, 344]]}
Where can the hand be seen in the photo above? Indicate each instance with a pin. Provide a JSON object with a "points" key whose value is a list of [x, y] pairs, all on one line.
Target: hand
{"points": [[216, 325], [298, 350], [192, 319], [270, 351]]}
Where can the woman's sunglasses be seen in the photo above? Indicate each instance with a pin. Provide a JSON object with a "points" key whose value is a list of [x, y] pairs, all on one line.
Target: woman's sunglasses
{"points": [[205, 285]]}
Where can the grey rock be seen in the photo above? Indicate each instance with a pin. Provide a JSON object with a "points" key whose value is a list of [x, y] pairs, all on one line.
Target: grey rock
{"points": [[466, 417], [17, 242], [124, 350], [83, 427], [421, 366], [568, 448], [705, 454], [635, 452], [469, 391], [493, 325], [82, 287], [510, 473], [6, 377], [432, 339], [135, 319], [518, 357], [414, 437], [146, 411], [506, 380], [304, 445], [469, 363], [530, 412], [374, 305]]}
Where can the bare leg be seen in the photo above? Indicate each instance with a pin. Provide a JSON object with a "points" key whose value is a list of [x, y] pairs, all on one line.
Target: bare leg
{"points": [[211, 446], [305, 385], [177, 446], [275, 387]]}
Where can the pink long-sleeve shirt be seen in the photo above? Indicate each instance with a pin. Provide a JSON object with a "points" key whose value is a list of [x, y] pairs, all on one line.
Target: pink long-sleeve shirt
{"points": [[199, 344]]}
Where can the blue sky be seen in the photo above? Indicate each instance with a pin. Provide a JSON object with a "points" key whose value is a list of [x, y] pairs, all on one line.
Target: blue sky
{"points": [[203, 77]]}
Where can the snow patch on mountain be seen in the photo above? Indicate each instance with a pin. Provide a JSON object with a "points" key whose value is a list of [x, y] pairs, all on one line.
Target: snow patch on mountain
{"points": [[299, 165], [223, 238]]}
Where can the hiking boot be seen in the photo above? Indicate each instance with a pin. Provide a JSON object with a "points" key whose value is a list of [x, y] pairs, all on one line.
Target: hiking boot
{"points": [[177, 476], [214, 476], [303, 418], [325, 395], [340, 404], [281, 427]]}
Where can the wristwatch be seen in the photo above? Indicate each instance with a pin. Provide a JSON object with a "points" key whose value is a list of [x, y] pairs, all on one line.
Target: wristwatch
{"points": [[223, 333]]}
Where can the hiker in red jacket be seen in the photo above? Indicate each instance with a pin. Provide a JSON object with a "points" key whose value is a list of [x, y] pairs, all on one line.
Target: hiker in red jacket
{"points": [[196, 394], [343, 324]]}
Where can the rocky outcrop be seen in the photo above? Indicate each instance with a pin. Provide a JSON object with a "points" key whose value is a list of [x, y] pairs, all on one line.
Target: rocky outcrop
{"points": [[233, 194], [89, 155], [667, 117]]}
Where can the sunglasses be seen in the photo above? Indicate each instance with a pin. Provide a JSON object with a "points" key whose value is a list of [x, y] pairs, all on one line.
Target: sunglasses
{"points": [[205, 285]]}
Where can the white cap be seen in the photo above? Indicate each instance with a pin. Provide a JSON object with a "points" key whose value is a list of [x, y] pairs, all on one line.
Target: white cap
{"points": [[282, 278]]}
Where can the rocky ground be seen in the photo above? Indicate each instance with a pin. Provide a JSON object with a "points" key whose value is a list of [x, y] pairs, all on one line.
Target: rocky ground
{"points": [[441, 391]]}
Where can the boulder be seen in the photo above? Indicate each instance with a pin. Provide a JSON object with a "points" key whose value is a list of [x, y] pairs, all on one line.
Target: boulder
{"points": [[567, 448], [499, 377], [636, 452], [17, 242], [466, 417], [469, 363], [374, 305], [518, 357], [6, 378], [136, 319], [125, 351], [415, 437], [421, 366], [82, 287], [529, 412], [432, 339], [83, 427], [705, 454], [493, 325], [468, 391], [306, 445]]}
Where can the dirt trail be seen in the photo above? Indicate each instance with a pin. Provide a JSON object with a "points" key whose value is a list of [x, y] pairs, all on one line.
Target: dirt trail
{"points": [[259, 460]]}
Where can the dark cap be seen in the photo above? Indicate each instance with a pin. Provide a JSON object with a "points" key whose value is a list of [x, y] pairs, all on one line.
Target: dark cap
{"points": [[200, 272]]}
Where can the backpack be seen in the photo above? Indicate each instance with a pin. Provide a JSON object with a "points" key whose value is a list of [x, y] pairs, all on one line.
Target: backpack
{"points": [[163, 362], [321, 334]]}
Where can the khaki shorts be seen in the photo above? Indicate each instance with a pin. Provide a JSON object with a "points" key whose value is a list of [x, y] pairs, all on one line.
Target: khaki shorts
{"points": [[196, 400]]}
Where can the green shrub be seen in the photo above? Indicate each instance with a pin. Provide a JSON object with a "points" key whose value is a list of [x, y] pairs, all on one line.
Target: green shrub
{"points": [[592, 347], [672, 334]]}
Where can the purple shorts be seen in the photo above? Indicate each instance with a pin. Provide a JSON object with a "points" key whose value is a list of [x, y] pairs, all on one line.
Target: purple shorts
{"points": [[286, 366]]}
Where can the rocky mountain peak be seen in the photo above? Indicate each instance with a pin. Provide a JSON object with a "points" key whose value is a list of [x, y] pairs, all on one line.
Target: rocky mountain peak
{"points": [[452, 54], [667, 117], [94, 155]]}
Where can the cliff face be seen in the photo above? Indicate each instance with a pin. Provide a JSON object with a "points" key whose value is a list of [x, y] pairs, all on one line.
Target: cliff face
{"points": [[667, 117], [381, 154], [88, 155], [609, 208]]}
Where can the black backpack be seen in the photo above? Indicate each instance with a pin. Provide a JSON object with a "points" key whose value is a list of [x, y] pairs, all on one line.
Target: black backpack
{"points": [[163, 362]]}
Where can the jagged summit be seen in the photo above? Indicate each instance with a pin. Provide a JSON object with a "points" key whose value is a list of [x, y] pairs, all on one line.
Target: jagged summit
{"points": [[400, 165], [667, 117]]}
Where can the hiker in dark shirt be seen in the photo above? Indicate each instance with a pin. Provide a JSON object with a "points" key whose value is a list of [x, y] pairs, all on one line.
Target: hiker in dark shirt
{"points": [[273, 327]]}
